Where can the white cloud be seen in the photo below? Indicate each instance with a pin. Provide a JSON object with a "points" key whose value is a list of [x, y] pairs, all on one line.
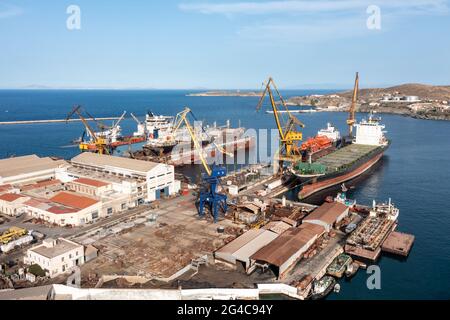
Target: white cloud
{"points": [[8, 11], [311, 6]]}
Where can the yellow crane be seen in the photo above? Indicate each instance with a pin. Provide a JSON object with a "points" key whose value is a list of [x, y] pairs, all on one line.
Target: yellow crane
{"points": [[351, 113], [101, 145], [290, 136]]}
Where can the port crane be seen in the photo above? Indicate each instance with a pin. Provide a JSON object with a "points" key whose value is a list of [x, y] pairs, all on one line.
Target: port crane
{"points": [[290, 136], [208, 197], [351, 114], [100, 143]]}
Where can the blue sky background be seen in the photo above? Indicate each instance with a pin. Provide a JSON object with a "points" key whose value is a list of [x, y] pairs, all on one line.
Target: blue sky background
{"points": [[222, 44]]}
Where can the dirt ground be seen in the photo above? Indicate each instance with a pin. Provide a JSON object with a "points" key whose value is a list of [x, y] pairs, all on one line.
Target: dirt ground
{"points": [[162, 249]]}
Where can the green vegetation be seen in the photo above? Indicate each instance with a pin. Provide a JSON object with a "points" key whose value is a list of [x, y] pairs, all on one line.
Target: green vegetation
{"points": [[36, 270]]}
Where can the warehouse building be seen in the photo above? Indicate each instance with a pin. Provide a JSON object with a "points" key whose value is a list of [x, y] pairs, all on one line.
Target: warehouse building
{"points": [[145, 180], [29, 168], [238, 252], [327, 215], [56, 256], [65, 208], [12, 204], [284, 252]]}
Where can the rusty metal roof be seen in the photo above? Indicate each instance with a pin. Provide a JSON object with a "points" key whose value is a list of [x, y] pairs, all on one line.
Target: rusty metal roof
{"points": [[287, 244]]}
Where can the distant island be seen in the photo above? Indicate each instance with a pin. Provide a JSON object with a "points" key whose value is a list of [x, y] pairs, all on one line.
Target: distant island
{"points": [[414, 100], [236, 93]]}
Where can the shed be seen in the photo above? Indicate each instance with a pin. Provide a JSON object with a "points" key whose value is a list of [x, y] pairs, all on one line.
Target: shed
{"points": [[327, 215], [239, 251], [282, 253]]}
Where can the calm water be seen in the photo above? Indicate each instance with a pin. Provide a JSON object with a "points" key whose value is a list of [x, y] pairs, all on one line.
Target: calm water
{"points": [[415, 171]]}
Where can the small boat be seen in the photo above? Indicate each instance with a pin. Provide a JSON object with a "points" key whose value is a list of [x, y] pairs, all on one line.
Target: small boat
{"points": [[339, 265], [337, 288], [321, 288], [351, 269]]}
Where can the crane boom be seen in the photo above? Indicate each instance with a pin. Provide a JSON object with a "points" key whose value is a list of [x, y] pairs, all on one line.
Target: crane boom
{"points": [[288, 135], [351, 114]]}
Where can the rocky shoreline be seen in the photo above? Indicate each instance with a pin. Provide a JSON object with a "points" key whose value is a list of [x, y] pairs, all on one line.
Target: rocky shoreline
{"points": [[433, 103]]}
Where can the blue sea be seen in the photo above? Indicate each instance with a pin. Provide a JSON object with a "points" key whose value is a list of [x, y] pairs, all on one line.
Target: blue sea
{"points": [[415, 171]]}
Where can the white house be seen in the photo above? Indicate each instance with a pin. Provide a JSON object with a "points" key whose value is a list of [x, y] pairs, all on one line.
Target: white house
{"points": [[56, 256]]}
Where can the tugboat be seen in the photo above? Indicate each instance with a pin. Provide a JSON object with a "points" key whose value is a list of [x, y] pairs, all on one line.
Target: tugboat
{"points": [[339, 265], [321, 288]]}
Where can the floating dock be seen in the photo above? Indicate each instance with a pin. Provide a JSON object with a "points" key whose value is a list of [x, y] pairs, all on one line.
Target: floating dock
{"points": [[398, 243]]}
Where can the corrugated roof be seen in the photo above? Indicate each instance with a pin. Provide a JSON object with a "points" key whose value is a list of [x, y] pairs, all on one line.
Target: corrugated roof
{"points": [[21, 165], [91, 182], [101, 160], [327, 212], [287, 244], [10, 197], [264, 238], [240, 241], [73, 200], [277, 226]]}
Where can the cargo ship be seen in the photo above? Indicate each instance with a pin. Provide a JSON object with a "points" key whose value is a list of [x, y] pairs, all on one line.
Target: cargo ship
{"points": [[345, 159]]}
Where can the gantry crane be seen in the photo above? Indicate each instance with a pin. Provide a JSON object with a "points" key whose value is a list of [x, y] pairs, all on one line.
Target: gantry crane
{"points": [[210, 196], [287, 129], [351, 113], [101, 144]]}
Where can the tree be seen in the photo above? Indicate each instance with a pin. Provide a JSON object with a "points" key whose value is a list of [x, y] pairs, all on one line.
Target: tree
{"points": [[36, 270]]}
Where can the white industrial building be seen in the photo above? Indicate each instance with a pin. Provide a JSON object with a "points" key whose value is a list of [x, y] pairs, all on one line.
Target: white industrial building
{"points": [[12, 204], [148, 180], [29, 168], [56, 256], [65, 209]]}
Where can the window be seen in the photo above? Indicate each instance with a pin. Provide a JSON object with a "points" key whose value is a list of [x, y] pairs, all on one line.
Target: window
{"points": [[95, 215], [110, 210], [62, 259]]}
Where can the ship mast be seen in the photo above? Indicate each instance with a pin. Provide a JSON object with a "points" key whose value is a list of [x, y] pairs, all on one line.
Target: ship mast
{"points": [[351, 114]]}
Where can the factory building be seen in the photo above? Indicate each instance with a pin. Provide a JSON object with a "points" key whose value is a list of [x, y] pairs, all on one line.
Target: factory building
{"points": [[12, 204], [327, 215], [238, 252], [29, 168], [145, 180], [56, 256], [65, 208], [281, 254]]}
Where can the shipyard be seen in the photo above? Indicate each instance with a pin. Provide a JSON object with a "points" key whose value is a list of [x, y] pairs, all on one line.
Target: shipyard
{"points": [[174, 216]]}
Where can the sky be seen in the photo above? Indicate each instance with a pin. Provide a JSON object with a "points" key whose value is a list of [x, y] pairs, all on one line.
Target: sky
{"points": [[206, 44]]}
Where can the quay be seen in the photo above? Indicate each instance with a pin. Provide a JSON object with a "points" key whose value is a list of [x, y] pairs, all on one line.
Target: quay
{"points": [[50, 121]]}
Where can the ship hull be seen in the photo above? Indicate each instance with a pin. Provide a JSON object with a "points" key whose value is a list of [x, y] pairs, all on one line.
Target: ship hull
{"points": [[314, 185]]}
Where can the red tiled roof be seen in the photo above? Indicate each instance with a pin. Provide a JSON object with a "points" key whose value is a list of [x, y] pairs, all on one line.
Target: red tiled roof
{"points": [[10, 197], [91, 182], [61, 210], [5, 187], [41, 184], [73, 200]]}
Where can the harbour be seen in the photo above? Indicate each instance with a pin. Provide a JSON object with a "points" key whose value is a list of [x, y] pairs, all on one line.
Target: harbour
{"points": [[255, 182]]}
